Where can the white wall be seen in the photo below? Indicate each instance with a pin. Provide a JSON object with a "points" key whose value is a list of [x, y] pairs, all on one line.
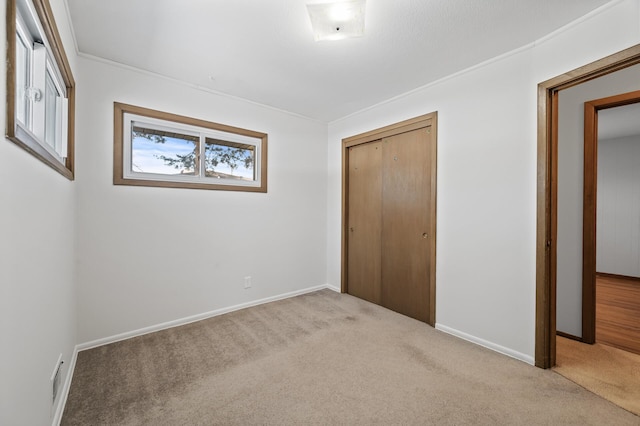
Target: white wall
{"points": [[152, 255], [37, 286], [570, 189], [148, 255], [618, 214], [487, 119]]}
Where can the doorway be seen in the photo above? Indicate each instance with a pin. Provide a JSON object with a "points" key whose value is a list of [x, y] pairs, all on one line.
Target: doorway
{"points": [[591, 140], [547, 193], [389, 217]]}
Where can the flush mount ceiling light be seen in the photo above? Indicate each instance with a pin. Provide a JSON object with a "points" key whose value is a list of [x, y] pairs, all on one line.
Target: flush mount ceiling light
{"points": [[337, 20]]}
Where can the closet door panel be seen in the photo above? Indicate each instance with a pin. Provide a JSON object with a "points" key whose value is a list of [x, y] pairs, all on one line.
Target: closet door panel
{"points": [[365, 221], [406, 186]]}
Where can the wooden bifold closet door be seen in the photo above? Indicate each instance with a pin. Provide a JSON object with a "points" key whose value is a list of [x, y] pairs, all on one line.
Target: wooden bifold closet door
{"points": [[388, 241]]}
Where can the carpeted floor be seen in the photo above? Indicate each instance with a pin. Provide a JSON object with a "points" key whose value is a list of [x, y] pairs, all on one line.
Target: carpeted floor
{"points": [[320, 358], [606, 371]]}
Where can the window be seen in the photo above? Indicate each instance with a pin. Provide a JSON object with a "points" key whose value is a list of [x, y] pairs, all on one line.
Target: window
{"points": [[153, 148], [40, 86]]}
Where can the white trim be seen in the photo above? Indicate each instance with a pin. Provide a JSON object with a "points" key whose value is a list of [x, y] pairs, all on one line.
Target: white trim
{"points": [[334, 288], [198, 317], [72, 30], [577, 22], [400, 96], [483, 64], [42, 67], [438, 81], [62, 399], [25, 39], [62, 141], [194, 86], [485, 343], [64, 393], [39, 85]]}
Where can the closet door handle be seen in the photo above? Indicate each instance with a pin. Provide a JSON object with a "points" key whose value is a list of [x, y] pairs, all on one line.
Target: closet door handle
{"points": [[425, 235]]}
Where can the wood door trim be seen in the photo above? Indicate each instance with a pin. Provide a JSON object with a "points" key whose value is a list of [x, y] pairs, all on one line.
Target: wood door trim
{"points": [[569, 336], [423, 121], [547, 192], [391, 130], [590, 204], [434, 208]]}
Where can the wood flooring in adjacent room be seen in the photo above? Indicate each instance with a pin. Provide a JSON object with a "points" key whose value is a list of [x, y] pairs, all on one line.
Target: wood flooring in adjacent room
{"points": [[618, 312]]}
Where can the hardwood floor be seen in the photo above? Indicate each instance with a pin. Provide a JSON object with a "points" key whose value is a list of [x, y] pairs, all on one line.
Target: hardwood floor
{"points": [[618, 312]]}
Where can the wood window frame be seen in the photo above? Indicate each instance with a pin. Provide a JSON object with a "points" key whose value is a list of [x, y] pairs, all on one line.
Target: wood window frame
{"points": [[547, 193], [120, 178], [14, 132]]}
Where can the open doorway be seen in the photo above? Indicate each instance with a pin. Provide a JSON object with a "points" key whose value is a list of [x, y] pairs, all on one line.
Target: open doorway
{"points": [[611, 222], [560, 306], [547, 220], [605, 359]]}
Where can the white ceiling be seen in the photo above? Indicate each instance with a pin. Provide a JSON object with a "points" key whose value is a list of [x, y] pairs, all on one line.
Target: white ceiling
{"points": [[264, 51], [619, 122]]}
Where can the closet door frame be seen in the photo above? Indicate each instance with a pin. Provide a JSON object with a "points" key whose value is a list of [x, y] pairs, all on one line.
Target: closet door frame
{"points": [[421, 122]]}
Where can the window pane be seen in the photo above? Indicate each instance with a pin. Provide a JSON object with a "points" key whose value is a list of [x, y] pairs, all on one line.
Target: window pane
{"points": [[161, 152], [22, 79], [229, 160], [50, 96]]}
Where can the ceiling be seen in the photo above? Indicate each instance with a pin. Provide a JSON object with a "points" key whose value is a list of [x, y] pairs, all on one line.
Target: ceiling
{"points": [[264, 50]]}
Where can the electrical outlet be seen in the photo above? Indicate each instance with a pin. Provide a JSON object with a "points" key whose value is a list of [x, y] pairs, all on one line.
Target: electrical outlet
{"points": [[247, 282]]}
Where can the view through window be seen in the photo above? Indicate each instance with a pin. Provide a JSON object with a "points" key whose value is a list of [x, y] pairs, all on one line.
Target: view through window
{"points": [[159, 148]]}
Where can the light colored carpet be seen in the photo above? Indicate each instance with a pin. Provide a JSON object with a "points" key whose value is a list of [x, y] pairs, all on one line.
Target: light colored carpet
{"points": [[611, 373], [320, 358]]}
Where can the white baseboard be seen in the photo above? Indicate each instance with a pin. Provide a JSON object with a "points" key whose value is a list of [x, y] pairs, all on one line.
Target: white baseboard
{"points": [[485, 343], [334, 288], [175, 323], [62, 397], [194, 318]]}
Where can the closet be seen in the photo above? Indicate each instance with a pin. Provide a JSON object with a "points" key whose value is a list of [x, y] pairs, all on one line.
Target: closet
{"points": [[389, 217]]}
